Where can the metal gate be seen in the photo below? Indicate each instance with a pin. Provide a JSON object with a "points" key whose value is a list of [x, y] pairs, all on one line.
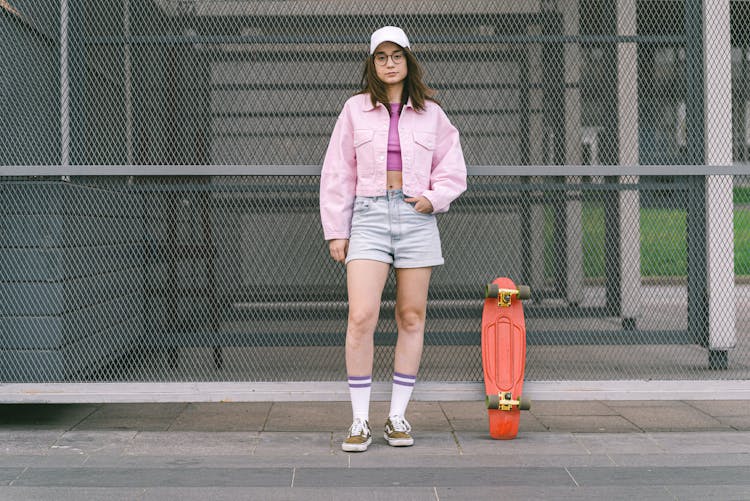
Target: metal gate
{"points": [[159, 175]]}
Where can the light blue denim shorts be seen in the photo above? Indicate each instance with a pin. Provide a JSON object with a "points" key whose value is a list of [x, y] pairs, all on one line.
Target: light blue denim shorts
{"points": [[390, 230]]}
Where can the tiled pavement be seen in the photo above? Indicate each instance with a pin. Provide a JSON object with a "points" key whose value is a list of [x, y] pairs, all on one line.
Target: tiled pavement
{"points": [[263, 450]]}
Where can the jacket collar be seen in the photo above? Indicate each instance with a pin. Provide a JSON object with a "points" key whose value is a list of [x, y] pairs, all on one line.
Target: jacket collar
{"points": [[367, 103]]}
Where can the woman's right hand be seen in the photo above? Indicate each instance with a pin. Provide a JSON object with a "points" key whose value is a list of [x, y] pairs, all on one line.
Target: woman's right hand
{"points": [[338, 249]]}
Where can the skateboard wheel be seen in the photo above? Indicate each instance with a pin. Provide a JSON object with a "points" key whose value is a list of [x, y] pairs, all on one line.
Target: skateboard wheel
{"points": [[492, 401], [524, 292], [492, 290], [525, 404]]}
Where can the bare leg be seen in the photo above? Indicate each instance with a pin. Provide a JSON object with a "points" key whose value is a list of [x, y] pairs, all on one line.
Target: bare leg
{"points": [[365, 282], [411, 309]]}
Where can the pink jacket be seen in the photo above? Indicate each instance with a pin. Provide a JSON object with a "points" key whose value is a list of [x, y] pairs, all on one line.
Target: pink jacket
{"points": [[433, 163]]}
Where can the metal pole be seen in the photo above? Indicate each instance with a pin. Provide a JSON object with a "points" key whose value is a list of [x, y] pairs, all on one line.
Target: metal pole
{"points": [[128, 84], [64, 88], [571, 17], [627, 141], [694, 154], [719, 202]]}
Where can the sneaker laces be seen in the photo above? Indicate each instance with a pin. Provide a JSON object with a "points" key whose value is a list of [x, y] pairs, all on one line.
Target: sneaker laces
{"points": [[399, 423], [359, 427]]}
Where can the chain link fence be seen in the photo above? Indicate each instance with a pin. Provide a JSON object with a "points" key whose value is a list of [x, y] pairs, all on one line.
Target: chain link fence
{"points": [[223, 274]]}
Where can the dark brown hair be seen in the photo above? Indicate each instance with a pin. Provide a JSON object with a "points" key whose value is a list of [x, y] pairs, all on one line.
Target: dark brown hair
{"points": [[414, 87]]}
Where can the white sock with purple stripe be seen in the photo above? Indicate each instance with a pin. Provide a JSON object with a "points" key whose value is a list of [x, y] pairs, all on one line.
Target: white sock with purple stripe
{"points": [[359, 391], [403, 384]]}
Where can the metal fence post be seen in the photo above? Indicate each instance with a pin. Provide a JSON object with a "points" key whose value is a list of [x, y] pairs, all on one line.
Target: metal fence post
{"points": [[696, 199], [719, 203], [64, 86], [628, 205]]}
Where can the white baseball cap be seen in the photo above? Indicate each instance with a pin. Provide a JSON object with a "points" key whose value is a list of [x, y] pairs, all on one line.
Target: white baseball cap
{"points": [[388, 34]]}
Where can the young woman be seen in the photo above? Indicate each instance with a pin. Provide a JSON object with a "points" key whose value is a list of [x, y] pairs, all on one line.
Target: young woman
{"points": [[394, 161]]}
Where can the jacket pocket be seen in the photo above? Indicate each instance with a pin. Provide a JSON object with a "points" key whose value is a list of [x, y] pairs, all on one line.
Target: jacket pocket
{"points": [[425, 139], [362, 136], [364, 150], [424, 148]]}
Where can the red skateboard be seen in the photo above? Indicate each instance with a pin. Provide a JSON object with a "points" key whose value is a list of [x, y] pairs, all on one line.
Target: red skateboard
{"points": [[504, 356]]}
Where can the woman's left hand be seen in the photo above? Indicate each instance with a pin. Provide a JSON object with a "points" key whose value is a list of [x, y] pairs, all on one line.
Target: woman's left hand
{"points": [[421, 204]]}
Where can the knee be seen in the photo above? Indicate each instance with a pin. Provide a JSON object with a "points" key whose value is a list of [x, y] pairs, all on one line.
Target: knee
{"points": [[410, 321], [362, 322]]}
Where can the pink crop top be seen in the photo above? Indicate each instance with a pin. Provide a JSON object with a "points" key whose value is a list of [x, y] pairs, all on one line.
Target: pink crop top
{"points": [[394, 144]]}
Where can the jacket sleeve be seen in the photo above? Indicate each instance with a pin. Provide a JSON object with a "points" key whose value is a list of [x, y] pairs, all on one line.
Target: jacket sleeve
{"points": [[448, 175], [338, 179]]}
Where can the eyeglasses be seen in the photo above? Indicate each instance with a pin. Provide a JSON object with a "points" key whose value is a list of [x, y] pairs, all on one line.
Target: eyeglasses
{"points": [[382, 59]]}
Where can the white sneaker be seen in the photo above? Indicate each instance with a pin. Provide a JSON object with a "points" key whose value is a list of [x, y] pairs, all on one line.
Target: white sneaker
{"points": [[397, 430], [359, 437]]}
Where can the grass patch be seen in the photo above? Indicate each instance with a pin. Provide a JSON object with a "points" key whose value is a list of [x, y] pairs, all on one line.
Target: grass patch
{"points": [[662, 242], [741, 241], [741, 195]]}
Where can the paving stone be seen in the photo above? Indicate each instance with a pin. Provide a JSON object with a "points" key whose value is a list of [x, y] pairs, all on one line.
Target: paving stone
{"points": [[617, 405], [731, 459], [714, 491], [27, 442], [92, 442], [289, 493], [303, 417], [722, 408], [558, 493], [469, 425], [603, 424], [8, 475], [463, 409], [194, 443], [366, 460], [704, 442], [218, 461], [195, 460], [296, 443], [466, 416], [18, 461], [53, 460], [571, 408], [418, 476], [619, 443], [144, 417], [739, 423], [670, 416], [423, 416], [222, 416], [654, 475], [155, 477], [70, 493], [524, 444], [529, 423]]}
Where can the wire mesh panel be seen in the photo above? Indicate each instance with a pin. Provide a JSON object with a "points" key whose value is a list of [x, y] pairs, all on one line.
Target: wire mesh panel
{"points": [[227, 278]]}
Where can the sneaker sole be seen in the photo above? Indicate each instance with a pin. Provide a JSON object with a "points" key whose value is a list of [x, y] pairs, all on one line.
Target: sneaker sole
{"points": [[356, 447], [398, 442]]}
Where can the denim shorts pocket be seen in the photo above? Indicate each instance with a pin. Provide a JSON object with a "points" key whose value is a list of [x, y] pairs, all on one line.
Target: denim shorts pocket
{"points": [[361, 205], [412, 206]]}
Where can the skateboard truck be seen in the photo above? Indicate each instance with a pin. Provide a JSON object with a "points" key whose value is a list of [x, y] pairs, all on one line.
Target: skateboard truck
{"points": [[502, 401], [505, 296]]}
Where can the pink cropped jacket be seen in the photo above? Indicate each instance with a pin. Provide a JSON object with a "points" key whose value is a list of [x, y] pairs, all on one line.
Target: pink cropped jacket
{"points": [[355, 162]]}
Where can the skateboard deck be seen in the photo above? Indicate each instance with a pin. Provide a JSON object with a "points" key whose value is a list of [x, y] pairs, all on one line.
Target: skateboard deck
{"points": [[504, 356]]}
